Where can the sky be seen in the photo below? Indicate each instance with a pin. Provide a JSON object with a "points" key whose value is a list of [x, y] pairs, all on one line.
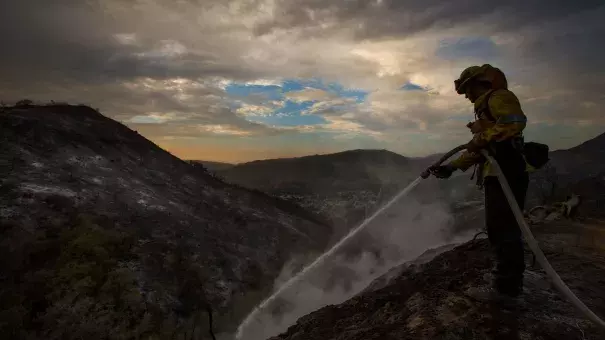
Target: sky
{"points": [[239, 80]]}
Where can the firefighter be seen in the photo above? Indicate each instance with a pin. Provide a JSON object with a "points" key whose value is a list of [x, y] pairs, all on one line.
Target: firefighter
{"points": [[498, 128]]}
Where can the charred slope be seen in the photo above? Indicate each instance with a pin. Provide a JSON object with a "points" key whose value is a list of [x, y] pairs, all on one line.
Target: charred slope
{"points": [[104, 234], [426, 301]]}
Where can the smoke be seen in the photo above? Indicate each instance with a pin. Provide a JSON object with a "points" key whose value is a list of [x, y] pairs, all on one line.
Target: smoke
{"points": [[400, 234]]}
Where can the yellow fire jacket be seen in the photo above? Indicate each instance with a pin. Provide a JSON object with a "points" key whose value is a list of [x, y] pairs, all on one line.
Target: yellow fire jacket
{"points": [[498, 117]]}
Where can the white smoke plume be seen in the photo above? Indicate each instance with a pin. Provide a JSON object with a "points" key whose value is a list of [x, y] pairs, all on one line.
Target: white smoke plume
{"points": [[400, 234]]}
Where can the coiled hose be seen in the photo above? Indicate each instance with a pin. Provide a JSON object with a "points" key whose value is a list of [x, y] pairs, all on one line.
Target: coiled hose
{"points": [[529, 237]]}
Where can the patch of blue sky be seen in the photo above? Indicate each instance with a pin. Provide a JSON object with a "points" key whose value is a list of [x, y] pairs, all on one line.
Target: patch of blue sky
{"points": [[335, 88], [275, 92], [339, 90], [290, 85], [412, 87], [481, 48], [292, 113]]}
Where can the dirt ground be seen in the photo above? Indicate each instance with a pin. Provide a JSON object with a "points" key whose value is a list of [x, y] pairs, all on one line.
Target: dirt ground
{"points": [[428, 302]]}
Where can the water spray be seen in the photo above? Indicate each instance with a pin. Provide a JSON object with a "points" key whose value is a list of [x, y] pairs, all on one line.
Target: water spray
{"points": [[252, 315], [559, 284], [321, 259]]}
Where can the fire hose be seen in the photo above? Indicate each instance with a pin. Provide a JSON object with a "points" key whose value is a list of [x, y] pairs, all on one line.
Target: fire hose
{"points": [[529, 238]]}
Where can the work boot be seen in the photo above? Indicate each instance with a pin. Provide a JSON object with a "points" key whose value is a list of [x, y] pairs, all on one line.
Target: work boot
{"points": [[489, 294]]}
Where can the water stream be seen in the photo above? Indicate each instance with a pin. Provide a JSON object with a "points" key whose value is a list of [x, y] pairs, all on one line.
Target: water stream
{"points": [[252, 315]]}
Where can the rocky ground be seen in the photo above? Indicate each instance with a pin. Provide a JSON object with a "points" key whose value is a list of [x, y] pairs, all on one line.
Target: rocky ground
{"points": [[427, 301]]}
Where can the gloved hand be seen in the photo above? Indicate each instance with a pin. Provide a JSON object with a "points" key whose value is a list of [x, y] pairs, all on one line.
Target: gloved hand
{"points": [[442, 171]]}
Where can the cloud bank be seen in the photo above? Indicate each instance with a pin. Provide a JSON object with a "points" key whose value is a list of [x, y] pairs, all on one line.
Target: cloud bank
{"points": [[286, 77]]}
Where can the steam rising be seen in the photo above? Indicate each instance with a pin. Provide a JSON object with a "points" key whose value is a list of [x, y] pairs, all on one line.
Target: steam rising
{"points": [[399, 234]]}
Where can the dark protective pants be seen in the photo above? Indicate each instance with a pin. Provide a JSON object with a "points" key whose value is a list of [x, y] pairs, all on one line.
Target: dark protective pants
{"points": [[503, 231]]}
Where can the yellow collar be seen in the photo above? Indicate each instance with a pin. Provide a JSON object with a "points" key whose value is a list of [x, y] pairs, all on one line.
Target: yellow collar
{"points": [[480, 101]]}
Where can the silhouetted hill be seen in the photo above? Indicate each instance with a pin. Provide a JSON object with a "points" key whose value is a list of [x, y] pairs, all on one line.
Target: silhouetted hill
{"points": [[586, 159], [347, 186], [579, 170], [105, 235], [349, 170], [213, 166], [590, 147]]}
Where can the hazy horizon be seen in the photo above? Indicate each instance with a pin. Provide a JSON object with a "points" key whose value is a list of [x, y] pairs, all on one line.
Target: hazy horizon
{"points": [[314, 153]]}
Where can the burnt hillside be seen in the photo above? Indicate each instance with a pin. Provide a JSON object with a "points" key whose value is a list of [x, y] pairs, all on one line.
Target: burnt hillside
{"points": [[104, 234], [427, 300]]}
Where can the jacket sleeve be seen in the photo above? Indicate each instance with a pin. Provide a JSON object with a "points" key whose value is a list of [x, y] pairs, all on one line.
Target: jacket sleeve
{"points": [[510, 119], [466, 160]]}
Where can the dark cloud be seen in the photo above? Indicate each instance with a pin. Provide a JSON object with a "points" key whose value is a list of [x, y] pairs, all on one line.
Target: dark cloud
{"points": [[68, 50], [389, 18], [558, 39], [76, 40]]}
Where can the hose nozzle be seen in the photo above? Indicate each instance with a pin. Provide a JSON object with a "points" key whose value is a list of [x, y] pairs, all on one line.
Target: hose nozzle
{"points": [[426, 173]]}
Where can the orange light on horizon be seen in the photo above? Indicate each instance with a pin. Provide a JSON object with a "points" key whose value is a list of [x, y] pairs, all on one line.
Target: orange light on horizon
{"points": [[233, 154]]}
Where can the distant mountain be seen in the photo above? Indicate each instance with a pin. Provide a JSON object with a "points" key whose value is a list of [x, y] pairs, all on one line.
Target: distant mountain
{"points": [[105, 235], [346, 186], [586, 159], [590, 147], [578, 170], [213, 166], [349, 170]]}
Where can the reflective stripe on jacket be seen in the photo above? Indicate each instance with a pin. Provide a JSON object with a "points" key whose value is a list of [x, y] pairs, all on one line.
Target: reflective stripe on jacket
{"points": [[500, 117]]}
